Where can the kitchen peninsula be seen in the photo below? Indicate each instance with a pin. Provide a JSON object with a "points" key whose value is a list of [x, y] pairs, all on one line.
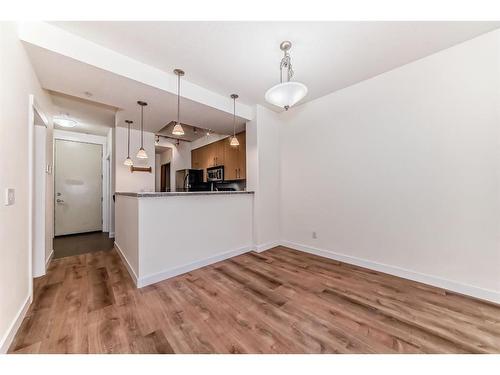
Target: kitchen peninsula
{"points": [[163, 234]]}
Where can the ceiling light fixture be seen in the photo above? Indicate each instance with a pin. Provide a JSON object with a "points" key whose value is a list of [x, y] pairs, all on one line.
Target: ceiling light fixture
{"points": [[141, 154], [128, 162], [286, 94], [234, 141], [178, 130], [65, 121]]}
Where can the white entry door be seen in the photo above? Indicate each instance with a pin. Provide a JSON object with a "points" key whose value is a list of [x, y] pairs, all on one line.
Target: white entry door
{"points": [[78, 187]]}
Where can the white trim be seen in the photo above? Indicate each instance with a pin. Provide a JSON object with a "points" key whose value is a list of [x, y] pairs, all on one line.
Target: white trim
{"points": [[14, 326], [111, 234], [454, 286], [68, 135], [151, 279], [267, 246], [127, 264], [49, 258]]}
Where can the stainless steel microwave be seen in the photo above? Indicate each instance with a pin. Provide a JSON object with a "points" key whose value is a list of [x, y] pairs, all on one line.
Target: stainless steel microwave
{"points": [[215, 174]]}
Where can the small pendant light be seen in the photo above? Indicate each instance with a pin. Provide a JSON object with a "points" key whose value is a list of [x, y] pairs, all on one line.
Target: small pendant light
{"points": [[234, 141], [178, 130], [141, 154], [128, 162]]}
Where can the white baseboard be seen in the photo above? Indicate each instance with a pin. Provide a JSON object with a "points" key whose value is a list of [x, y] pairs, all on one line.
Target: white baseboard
{"points": [[49, 258], [267, 246], [454, 286], [151, 279], [111, 234], [125, 261], [14, 326]]}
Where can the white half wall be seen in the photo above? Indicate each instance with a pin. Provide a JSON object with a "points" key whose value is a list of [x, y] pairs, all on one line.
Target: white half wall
{"points": [[161, 237], [402, 170]]}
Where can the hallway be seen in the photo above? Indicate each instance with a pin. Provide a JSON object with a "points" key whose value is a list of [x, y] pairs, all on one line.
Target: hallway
{"points": [[78, 244]]}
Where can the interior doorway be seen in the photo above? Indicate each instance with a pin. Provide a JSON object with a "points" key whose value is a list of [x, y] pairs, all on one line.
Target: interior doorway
{"points": [[78, 187], [40, 234], [165, 177]]}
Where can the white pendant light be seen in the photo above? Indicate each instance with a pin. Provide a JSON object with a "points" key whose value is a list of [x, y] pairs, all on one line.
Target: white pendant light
{"points": [[286, 94], [234, 141], [141, 154], [128, 162], [178, 130]]}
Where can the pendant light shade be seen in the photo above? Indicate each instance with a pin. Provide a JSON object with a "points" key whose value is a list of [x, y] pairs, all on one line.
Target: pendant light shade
{"points": [[128, 162], [286, 94], [141, 154], [178, 130], [234, 141]]}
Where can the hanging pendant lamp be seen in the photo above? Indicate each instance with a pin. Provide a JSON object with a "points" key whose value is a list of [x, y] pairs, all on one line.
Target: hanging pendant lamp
{"points": [[178, 130], [234, 141], [286, 94], [141, 154], [128, 162]]}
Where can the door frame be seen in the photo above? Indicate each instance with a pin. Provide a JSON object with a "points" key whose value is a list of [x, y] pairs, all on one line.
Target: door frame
{"points": [[33, 107], [67, 135]]}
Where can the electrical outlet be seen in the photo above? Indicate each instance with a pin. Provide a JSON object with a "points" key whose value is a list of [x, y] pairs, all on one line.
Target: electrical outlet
{"points": [[314, 235], [10, 196]]}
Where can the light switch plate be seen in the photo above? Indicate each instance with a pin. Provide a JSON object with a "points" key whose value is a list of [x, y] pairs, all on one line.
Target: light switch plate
{"points": [[10, 196]]}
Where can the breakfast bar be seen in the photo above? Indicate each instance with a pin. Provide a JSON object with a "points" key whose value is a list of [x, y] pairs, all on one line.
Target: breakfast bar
{"points": [[163, 234]]}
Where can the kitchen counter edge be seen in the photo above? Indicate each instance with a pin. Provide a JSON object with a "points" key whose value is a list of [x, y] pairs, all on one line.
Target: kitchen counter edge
{"points": [[179, 194]]}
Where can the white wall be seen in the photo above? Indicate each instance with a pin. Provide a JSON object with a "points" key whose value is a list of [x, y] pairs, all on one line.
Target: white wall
{"points": [[402, 170], [17, 82], [137, 181], [161, 243], [263, 175]]}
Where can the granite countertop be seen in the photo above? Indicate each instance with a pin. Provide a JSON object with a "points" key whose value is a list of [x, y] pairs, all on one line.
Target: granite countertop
{"points": [[152, 194]]}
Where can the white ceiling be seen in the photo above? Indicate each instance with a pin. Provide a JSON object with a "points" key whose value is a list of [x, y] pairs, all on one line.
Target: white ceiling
{"points": [[92, 117], [244, 57], [74, 78]]}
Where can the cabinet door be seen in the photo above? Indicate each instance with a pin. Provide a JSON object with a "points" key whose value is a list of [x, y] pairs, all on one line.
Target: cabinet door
{"points": [[210, 155], [219, 152], [196, 158], [231, 160], [242, 156]]}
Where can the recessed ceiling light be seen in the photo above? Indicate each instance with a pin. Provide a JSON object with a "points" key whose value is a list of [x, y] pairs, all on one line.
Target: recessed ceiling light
{"points": [[65, 122]]}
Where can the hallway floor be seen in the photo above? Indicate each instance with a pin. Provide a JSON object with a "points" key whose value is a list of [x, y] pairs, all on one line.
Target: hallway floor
{"points": [[77, 244]]}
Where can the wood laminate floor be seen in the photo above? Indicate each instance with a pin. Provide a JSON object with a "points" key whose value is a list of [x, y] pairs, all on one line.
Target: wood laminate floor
{"points": [[279, 301]]}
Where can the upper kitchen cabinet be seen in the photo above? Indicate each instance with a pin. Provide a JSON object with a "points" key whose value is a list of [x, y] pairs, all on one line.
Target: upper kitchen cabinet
{"points": [[221, 153], [235, 159]]}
